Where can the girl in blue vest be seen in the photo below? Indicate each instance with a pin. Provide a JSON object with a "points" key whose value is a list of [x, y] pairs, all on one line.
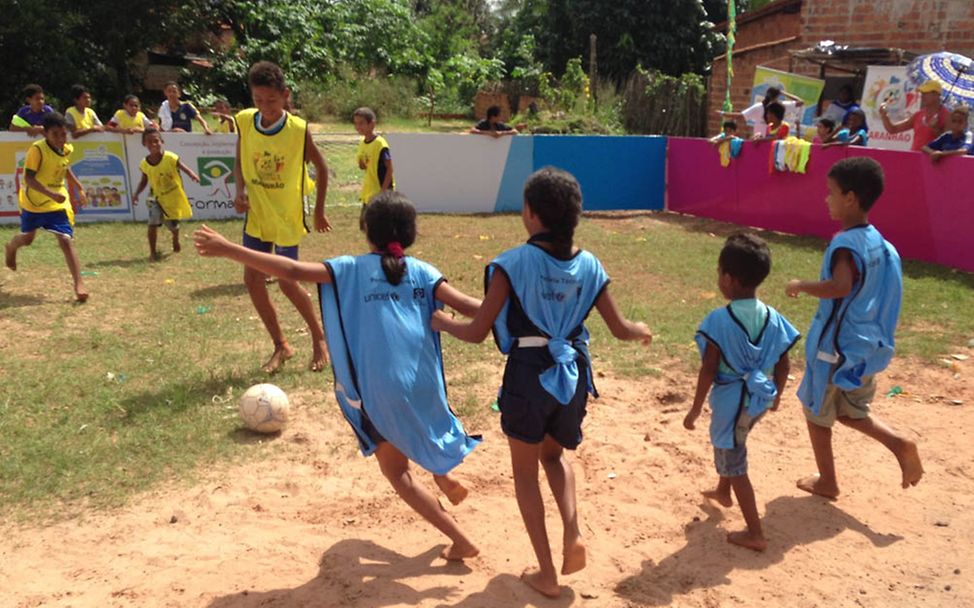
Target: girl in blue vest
{"points": [[538, 295], [388, 368]]}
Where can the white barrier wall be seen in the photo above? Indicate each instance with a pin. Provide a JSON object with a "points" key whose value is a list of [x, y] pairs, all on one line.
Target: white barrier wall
{"points": [[107, 165]]}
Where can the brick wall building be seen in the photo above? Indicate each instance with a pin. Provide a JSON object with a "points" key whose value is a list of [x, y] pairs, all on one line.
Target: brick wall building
{"points": [[765, 36]]}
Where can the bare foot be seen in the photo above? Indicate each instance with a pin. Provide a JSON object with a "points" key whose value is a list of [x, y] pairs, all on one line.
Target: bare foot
{"points": [[574, 558], [176, 247], [532, 577], [813, 485], [458, 552], [155, 256], [909, 459], [81, 294], [282, 352], [319, 358], [747, 540], [718, 497], [11, 256], [453, 489]]}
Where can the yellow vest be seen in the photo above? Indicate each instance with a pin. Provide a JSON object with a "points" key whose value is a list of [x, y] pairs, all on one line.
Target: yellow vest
{"points": [[274, 173], [223, 127], [167, 186], [126, 121], [369, 152], [82, 121], [50, 170]]}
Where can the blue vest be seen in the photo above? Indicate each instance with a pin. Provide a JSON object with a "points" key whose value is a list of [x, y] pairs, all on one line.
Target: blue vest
{"points": [[750, 384], [556, 296], [852, 337], [387, 361]]}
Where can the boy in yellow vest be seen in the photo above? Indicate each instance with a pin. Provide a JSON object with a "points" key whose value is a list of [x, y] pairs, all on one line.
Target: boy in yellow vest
{"points": [[271, 180], [373, 157], [160, 169], [44, 200], [80, 118]]}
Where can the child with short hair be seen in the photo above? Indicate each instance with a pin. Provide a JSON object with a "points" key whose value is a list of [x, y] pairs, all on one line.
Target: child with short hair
{"points": [[160, 169], [851, 337], [774, 117], [956, 141], [221, 109], [728, 131], [373, 157], [538, 297], [271, 180], [728, 144], [129, 119], [177, 115], [44, 199], [81, 119], [744, 347], [492, 125], [30, 118], [388, 367], [824, 131], [854, 132]]}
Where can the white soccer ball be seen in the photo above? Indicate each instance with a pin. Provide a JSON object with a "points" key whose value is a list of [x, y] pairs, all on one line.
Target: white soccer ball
{"points": [[264, 408]]}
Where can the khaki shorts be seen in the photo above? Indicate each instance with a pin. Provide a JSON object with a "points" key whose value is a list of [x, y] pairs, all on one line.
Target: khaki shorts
{"points": [[852, 404]]}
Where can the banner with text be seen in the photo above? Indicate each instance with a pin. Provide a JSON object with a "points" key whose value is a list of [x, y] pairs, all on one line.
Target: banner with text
{"points": [[889, 85], [807, 89]]}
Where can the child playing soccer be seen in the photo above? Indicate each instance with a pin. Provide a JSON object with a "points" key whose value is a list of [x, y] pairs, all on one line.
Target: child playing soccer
{"points": [[851, 336], [130, 118], [44, 198], [30, 117], [373, 158], [270, 177], [388, 368], [537, 298], [160, 169], [81, 119], [744, 347]]}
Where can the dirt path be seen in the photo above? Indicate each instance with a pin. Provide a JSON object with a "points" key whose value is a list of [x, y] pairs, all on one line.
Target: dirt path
{"points": [[313, 524]]}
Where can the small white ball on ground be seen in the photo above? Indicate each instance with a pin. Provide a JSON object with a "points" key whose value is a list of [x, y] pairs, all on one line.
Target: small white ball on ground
{"points": [[264, 408]]}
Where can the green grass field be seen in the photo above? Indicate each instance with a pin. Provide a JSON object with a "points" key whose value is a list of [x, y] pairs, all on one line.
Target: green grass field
{"points": [[103, 400]]}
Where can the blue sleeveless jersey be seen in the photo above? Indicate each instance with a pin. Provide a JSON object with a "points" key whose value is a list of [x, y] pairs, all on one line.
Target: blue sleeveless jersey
{"points": [[387, 360], [556, 296], [852, 337], [750, 384]]}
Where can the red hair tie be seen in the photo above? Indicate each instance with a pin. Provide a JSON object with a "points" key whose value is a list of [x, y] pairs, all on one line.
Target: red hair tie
{"points": [[395, 248]]}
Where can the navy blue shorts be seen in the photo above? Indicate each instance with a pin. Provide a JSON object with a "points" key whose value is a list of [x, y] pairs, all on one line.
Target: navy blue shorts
{"points": [[252, 242], [529, 412], [52, 221]]}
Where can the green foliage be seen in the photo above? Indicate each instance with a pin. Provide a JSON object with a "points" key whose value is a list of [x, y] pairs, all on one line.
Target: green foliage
{"points": [[659, 104], [389, 97]]}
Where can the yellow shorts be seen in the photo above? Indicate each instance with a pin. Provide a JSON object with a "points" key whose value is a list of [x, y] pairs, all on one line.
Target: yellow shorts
{"points": [[852, 404]]}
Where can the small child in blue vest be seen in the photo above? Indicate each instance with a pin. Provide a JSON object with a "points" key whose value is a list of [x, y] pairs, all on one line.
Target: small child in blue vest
{"points": [[744, 347], [851, 336], [389, 380], [538, 297]]}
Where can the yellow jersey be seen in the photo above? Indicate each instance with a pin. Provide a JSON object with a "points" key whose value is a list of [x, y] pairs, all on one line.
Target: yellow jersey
{"points": [[375, 169], [224, 127], [273, 168], [167, 186], [83, 121], [126, 121], [50, 168]]}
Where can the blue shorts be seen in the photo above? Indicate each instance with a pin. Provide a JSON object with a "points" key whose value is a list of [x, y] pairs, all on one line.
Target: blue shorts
{"points": [[52, 221], [252, 242]]}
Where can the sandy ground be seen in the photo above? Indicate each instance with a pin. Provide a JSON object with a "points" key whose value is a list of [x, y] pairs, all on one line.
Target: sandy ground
{"points": [[312, 523]]}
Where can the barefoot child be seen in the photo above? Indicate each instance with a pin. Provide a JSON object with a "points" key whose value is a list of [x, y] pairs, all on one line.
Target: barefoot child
{"points": [[160, 169], [271, 181], [851, 336], [741, 344], [373, 157], [44, 198], [388, 368], [538, 296]]}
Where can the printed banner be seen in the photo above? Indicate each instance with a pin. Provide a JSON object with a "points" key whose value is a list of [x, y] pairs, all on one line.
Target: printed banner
{"points": [[889, 85], [808, 89]]}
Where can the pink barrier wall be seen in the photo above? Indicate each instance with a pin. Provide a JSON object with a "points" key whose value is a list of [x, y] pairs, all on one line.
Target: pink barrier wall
{"points": [[926, 211]]}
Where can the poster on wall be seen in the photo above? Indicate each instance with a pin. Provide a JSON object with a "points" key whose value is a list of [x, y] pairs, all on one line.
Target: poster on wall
{"points": [[889, 85], [804, 87], [209, 156]]}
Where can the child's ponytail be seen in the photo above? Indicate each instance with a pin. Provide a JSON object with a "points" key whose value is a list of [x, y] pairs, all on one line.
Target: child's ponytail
{"points": [[390, 225]]}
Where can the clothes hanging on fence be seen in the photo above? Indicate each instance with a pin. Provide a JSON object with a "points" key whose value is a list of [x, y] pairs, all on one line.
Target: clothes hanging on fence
{"points": [[790, 154], [728, 149]]}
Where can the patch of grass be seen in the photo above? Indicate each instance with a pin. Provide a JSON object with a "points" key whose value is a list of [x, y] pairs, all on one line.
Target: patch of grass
{"points": [[101, 401]]}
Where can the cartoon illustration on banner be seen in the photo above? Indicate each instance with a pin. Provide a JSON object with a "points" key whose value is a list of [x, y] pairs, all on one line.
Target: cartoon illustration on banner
{"points": [[889, 85], [100, 167]]}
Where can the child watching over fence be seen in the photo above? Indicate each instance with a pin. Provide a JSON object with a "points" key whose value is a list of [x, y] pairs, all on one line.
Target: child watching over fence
{"points": [[774, 117], [957, 141], [130, 118], [854, 132], [492, 125], [728, 143], [221, 109], [177, 115], [30, 118], [80, 118], [824, 131]]}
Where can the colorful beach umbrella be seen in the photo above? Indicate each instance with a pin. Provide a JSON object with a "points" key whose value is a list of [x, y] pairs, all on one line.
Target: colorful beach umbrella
{"points": [[954, 72]]}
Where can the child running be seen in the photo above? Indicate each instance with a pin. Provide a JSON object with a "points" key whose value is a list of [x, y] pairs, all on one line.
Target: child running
{"points": [[388, 367], [160, 169], [744, 347], [538, 296], [44, 199], [271, 180], [851, 336]]}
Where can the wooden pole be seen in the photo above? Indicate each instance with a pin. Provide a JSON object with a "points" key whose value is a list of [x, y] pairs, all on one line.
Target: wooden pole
{"points": [[593, 69]]}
